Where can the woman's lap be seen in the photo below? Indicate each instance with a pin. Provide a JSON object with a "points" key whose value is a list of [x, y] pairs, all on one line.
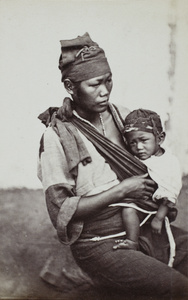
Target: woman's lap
{"points": [[161, 247], [128, 270], [132, 271]]}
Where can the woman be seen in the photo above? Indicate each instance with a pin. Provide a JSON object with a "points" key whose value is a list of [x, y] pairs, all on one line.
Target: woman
{"points": [[80, 185]]}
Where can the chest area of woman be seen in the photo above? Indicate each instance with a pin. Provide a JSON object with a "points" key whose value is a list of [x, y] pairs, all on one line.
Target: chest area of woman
{"points": [[111, 131]]}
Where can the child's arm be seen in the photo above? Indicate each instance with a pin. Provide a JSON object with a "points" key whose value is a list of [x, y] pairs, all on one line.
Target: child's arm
{"points": [[157, 221]]}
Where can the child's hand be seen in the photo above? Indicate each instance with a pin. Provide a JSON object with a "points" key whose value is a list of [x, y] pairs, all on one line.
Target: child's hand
{"points": [[156, 225]]}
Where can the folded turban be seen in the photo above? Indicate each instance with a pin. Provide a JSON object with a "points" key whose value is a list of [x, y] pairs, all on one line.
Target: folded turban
{"points": [[82, 59], [143, 120]]}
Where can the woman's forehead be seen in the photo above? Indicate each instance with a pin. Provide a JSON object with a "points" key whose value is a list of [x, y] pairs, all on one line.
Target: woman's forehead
{"points": [[99, 78]]}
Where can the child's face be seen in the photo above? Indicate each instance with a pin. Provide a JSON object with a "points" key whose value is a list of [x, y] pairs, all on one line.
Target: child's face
{"points": [[143, 144]]}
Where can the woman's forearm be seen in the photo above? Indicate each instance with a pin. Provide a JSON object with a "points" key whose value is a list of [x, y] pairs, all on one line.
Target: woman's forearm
{"points": [[136, 187], [92, 204]]}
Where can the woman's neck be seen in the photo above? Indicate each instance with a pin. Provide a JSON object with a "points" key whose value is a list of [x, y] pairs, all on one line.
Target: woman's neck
{"points": [[92, 117], [95, 118], [105, 124]]}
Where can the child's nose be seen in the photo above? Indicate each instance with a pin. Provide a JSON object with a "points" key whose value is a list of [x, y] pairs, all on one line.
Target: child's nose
{"points": [[139, 146]]}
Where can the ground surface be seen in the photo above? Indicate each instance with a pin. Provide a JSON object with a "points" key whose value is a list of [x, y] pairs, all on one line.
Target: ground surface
{"points": [[28, 241]]}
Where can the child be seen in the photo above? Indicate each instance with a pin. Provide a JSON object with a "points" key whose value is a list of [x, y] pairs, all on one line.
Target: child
{"points": [[144, 135]]}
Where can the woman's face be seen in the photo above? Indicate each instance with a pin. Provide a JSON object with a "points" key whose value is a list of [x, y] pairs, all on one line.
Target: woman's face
{"points": [[92, 95]]}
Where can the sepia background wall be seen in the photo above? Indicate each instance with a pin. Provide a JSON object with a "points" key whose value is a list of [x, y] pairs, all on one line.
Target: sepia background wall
{"points": [[146, 43]]}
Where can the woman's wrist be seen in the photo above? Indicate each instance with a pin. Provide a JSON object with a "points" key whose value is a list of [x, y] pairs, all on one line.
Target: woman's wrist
{"points": [[121, 191]]}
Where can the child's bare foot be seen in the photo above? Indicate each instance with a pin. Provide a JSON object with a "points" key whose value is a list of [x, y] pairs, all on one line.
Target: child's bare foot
{"points": [[156, 225], [126, 244]]}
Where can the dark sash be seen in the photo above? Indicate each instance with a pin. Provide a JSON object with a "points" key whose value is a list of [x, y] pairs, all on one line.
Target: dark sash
{"points": [[121, 161]]}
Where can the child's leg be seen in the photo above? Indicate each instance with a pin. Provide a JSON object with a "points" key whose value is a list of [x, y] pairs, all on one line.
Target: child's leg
{"points": [[131, 223]]}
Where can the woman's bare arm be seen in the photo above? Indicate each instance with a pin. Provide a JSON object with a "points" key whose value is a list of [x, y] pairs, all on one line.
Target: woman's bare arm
{"points": [[137, 187]]}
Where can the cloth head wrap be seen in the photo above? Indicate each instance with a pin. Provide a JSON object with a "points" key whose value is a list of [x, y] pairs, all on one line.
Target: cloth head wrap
{"points": [[143, 120], [82, 59]]}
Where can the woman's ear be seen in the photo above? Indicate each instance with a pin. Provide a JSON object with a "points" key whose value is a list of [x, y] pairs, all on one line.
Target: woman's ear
{"points": [[161, 137], [69, 86]]}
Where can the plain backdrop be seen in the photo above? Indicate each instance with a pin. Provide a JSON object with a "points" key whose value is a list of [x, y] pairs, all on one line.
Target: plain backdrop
{"points": [[141, 46]]}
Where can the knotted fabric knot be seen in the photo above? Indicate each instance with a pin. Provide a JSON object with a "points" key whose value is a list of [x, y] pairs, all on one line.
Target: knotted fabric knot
{"points": [[82, 59], [85, 50]]}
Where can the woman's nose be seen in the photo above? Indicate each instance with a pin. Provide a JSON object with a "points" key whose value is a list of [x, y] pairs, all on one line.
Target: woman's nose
{"points": [[104, 91]]}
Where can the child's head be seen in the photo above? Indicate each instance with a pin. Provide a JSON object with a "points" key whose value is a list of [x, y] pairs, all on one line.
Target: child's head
{"points": [[144, 133]]}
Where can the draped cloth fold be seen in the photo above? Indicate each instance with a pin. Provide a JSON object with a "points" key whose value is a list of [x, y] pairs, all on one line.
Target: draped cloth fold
{"points": [[124, 165], [121, 161]]}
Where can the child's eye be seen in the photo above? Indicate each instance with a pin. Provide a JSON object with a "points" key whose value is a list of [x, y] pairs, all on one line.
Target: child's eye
{"points": [[132, 143]]}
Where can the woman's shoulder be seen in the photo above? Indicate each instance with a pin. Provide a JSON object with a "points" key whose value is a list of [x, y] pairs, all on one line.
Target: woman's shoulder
{"points": [[121, 110], [50, 137], [50, 132]]}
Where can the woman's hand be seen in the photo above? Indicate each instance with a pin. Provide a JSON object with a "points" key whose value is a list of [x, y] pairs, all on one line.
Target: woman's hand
{"points": [[138, 187]]}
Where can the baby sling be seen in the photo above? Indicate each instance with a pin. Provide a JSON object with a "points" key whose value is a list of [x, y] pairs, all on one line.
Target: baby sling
{"points": [[124, 165]]}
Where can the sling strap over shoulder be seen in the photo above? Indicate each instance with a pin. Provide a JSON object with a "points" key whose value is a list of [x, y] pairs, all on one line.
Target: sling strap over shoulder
{"points": [[121, 161]]}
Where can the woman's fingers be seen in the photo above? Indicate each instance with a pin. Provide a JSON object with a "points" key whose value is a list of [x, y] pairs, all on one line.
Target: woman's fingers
{"points": [[150, 187], [139, 186], [150, 183], [144, 176]]}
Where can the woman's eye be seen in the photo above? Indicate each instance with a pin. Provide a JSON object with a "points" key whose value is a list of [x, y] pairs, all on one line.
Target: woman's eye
{"points": [[95, 84]]}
